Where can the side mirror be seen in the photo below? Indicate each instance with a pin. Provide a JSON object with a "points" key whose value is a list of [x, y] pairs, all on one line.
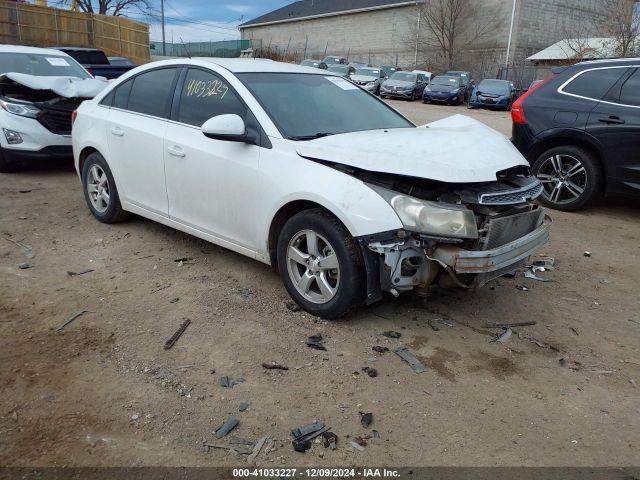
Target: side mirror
{"points": [[228, 127]]}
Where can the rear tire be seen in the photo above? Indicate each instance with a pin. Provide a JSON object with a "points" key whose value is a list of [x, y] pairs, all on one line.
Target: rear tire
{"points": [[100, 191], [308, 239], [571, 177]]}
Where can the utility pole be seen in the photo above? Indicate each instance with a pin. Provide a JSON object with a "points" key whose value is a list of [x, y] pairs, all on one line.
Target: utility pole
{"points": [[164, 45], [513, 14]]}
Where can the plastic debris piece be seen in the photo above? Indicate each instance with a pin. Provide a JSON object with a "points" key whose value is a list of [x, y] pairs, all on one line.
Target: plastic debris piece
{"points": [[274, 366], [256, 450], [24, 266], [376, 433], [522, 288], [71, 319], [315, 342], [330, 440], [392, 334], [357, 446], [243, 406], [226, 427], [504, 336], [528, 273], [366, 419], [407, 356], [379, 349], [372, 372], [174, 338], [229, 382], [587, 254]]}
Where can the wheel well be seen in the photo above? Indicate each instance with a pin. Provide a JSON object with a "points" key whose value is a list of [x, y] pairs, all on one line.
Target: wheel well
{"points": [[83, 156], [285, 213], [541, 147]]}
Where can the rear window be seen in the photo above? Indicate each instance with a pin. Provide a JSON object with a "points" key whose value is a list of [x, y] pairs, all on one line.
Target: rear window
{"points": [[594, 83], [89, 57], [151, 92]]}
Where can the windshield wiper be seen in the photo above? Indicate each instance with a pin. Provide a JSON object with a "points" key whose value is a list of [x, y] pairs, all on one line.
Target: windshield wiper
{"points": [[312, 137]]}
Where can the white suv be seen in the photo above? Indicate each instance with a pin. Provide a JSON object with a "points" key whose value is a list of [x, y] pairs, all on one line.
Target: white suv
{"points": [[301, 169], [39, 90]]}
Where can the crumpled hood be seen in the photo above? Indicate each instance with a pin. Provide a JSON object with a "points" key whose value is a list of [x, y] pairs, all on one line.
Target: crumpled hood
{"points": [[68, 87], [456, 149]]}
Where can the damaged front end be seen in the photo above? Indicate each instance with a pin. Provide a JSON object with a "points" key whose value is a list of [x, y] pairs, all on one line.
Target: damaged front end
{"points": [[455, 235]]}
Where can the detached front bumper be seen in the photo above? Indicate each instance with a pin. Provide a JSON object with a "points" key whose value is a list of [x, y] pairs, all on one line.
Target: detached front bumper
{"points": [[487, 261]]}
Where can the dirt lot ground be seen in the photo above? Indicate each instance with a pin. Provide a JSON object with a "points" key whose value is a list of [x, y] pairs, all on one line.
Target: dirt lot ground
{"points": [[104, 392]]}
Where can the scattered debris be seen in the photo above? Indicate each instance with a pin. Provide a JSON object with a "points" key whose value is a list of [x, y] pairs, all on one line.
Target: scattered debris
{"points": [[366, 419], [226, 427], [174, 338], [379, 349], [522, 288], [71, 319], [174, 300], [82, 272], [257, 448], [242, 441], [407, 356], [24, 266], [435, 328], [184, 367], [544, 263], [274, 366], [587, 254], [330, 440], [21, 245], [24, 191], [240, 449], [372, 372], [182, 259], [603, 372], [357, 446], [245, 293], [293, 306], [392, 334], [504, 336], [376, 433], [228, 382], [510, 324], [528, 273], [563, 362], [446, 322], [302, 436], [575, 330], [243, 406], [315, 342]]}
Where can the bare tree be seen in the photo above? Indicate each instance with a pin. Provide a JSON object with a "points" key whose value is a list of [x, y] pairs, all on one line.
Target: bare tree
{"points": [[108, 7], [622, 23], [450, 27]]}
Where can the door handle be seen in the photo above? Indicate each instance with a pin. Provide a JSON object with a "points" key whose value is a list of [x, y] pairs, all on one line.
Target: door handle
{"points": [[611, 119], [176, 151], [117, 131]]}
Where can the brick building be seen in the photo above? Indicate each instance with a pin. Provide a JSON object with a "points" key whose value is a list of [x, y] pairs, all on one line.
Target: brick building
{"points": [[384, 31]]}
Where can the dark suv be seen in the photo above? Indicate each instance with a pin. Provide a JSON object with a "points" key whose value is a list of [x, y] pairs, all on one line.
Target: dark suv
{"points": [[580, 131]]}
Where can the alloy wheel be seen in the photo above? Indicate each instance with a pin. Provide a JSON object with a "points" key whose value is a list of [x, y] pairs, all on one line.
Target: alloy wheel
{"points": [[313, 266], [98, 188], [563, 177]]}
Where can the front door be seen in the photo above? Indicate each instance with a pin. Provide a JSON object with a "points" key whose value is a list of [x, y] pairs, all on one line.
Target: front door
{"points": [[212, 184]]}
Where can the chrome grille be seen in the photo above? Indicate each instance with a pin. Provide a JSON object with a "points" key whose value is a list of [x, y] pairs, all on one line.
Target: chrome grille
{"points": [[512, 196]]}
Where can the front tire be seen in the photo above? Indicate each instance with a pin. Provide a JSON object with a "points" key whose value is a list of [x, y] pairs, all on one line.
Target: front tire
{"points": [[320, 264], [570, 175], [100, 191]]}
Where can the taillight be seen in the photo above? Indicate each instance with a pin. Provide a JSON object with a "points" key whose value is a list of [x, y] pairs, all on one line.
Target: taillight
{"points": [[517, 109], [74, 114]]}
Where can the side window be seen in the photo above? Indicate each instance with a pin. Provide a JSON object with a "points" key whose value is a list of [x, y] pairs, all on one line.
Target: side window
{"points": [[121, 96], [594, 83], [108, 99], [150, 92], [421, 78], [205, 95], [630, 93]]}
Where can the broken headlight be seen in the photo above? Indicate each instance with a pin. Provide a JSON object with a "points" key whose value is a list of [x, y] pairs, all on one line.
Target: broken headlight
{"points": [[433, 218], [22, 109]]}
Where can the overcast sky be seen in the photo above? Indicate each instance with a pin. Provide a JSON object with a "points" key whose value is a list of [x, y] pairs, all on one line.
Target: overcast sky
{"points": [[199, 21]]}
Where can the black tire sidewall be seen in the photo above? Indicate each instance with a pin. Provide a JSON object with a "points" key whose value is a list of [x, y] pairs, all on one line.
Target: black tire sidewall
{"points": [[593, 171], [352, 288], [114, 211]]}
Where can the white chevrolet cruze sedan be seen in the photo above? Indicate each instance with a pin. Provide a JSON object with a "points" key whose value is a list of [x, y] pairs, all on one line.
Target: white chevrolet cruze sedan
{"points": [[303, 170]]}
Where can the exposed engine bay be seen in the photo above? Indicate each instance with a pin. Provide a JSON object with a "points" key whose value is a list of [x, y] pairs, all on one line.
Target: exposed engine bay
{"points": [[510, 227]]}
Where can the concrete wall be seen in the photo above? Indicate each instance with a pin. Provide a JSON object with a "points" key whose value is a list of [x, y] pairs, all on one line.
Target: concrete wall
{"points": [[383, 34], [387, 33]]}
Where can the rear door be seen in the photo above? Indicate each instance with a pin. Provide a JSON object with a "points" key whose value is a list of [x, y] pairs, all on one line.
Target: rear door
{"points": [[615, 122], [212, 184], [135, 128]]}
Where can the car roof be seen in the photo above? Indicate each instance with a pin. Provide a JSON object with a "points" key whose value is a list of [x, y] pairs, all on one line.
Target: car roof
{"points": [[85, 49], [242, 65], [27, 50], [611, 61], [495, 80]]}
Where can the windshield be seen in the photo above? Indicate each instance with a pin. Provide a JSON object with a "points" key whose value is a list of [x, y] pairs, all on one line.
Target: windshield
{"points": [[339, 69], [368, 72], [41, 65], [494, 86], [306, 106], [404, 76], [450, 81], [329, 60]]}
